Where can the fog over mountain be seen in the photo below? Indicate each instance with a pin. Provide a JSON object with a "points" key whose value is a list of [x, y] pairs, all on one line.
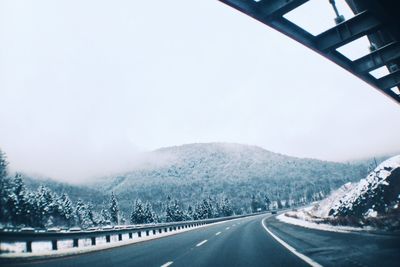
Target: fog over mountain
{"points": [[194, 171]]}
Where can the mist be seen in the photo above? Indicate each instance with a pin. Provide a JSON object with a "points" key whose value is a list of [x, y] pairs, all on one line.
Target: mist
{"points": [[87, 88]]}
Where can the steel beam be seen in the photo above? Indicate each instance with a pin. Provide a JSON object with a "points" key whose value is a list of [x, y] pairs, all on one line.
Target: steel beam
{"points": [[347, 31], [264, 10], [389, 81], [368, 22], [378, 58]]}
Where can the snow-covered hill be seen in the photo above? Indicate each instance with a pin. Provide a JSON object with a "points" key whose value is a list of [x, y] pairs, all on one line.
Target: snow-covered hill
{"points": [[373, 201], [191, 172], [376, 194]]}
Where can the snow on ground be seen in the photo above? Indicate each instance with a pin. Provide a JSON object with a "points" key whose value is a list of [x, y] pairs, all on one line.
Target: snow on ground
{"points": [[322, 208], [43, 249], [319, 226], [317, 215], [369, 185]]}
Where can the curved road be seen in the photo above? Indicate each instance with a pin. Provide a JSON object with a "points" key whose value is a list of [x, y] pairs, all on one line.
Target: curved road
{"points": [[242, 242]]}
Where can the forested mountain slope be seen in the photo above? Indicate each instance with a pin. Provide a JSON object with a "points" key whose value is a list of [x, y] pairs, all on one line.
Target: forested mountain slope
{"points": [[194, 171]]}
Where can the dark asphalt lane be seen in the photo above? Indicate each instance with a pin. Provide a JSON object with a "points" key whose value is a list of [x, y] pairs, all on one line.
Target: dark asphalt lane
{"points": [[242, 242], [340, 249]]}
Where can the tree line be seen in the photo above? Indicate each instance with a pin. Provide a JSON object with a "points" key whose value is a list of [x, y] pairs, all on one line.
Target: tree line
{"points": [[43, 207]]}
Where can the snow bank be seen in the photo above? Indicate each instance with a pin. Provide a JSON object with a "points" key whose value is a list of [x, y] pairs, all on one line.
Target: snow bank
{"points": [[304, 222], [374, 200]]}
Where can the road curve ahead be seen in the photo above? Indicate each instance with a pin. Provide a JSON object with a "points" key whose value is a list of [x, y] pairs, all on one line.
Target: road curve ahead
{"points": [[243, 242], [253, 241]]}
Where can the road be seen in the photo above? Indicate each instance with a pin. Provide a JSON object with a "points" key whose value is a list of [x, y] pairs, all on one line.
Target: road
{"points": [[242, 242]]}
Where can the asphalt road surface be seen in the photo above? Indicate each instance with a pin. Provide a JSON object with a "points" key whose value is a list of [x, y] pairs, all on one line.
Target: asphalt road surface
{"points": [[242, 242]]}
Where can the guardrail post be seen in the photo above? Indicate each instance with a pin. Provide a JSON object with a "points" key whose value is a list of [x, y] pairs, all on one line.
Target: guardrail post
{"points": [[54, 245], [139, 234], [147, 233], [170, 229], [108, 239], [174, 228], [75, 243], [93, 241], [130, 235], [119, 237], [28, 246], [154, 231], [160, 231], [165, 229]]}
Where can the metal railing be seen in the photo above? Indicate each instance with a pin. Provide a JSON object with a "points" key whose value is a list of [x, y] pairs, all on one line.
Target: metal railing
{"points": [[121, 233]]}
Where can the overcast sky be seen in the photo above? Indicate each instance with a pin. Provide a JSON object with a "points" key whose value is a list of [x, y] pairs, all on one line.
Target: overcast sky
{"points": [[86, 85]]}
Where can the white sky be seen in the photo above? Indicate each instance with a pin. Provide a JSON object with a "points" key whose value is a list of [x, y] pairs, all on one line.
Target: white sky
{"points": [[86, 85]]}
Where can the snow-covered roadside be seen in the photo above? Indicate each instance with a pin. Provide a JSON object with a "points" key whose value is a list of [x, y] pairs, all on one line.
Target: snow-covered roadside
{"points": [[372, 204], [43, 247], [320, 226]]}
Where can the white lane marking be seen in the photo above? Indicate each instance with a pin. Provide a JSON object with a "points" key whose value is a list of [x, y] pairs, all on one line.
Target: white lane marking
{"points": [[291, 249], [227, 228], [218, 233], [167, 264], [201, 243]]}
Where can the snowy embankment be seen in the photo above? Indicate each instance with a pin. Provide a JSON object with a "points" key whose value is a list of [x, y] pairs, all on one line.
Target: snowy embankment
{"points": [[372, 203], [313, 223]]}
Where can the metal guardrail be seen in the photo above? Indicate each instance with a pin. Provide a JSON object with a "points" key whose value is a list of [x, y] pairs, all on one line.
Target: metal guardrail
{"points": [[143, 230]]}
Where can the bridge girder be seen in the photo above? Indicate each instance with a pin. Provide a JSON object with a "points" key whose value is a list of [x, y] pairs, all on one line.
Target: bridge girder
{"points": [[374, 19]]}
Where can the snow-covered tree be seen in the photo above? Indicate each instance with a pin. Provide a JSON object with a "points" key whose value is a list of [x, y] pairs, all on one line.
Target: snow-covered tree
{"points": [[83, 215], [105, 217], [3, 188], [205, 209], [149, 213], [114, 209], [174, 212], [45, 206], [279, 204], [138, 215], [226, 207], [17, 201], [66, 209], [267, 202]]}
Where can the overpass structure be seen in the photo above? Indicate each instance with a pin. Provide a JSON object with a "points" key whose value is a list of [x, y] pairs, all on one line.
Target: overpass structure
{"points": [[376, 20]]}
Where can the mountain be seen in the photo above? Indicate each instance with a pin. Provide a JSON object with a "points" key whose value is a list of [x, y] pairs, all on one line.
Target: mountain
{"points": [[372, 201], [195, 171], [75, 192], [377, 194]]}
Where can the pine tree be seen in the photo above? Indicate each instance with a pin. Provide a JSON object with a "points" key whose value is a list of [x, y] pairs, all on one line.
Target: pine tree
{"points": [[280, 206], [189, 213], [173, 212], [114, 209], [254, 203], [90, 214], [226, 207], [138, 215], [287, 204], [267, 202], [105, 217], [83, 215], [148, 213], [3, 165], [16, 201], [45, 207], [66, 210], [4, 214]]}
